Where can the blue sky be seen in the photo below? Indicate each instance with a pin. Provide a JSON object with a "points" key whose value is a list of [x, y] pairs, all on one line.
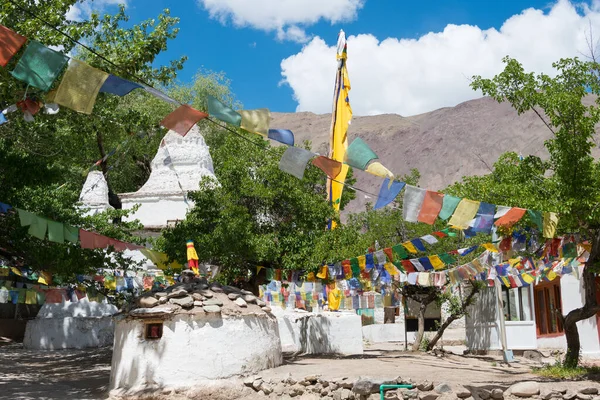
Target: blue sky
{"points": [[251, 55]]}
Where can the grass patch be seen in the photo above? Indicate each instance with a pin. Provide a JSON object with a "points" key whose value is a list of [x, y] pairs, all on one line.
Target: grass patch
{"points": [[560, 372]]}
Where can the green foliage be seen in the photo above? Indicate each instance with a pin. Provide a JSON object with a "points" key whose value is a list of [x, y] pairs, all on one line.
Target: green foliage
{"points": [[558, 371], [42, 163]]}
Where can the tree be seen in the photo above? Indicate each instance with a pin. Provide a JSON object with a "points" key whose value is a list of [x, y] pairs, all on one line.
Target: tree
{"points": [[564, 104], [42, 162]]}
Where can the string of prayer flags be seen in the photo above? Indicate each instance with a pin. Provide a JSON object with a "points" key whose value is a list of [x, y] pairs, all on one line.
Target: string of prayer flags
{"points": [[39, 66], [436, 262], [417, 264], [550, 223], [38, 227], [70, 233], [79, 87], [431, 207], [331, 167], [377, 169], [413, 199], [56, 232], [501, 211], [425, 263], [399, 251], [119, 86], [484, 219], [10, 43], [284, 136], [410, 247], [359, 154], [387, 193], [511, 217], [449, 204], [223, 113], [256, 121], [294, 161], [464, 213]]}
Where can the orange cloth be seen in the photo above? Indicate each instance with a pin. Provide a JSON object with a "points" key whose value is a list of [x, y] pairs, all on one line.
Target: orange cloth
{"points": [[431, 207], [511, 217], [10, 43], [331, 167], [182, 119]]}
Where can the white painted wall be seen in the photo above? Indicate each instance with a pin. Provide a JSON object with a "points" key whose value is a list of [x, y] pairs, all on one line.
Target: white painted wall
{"points": [[193, 347], [521, 335], [71, 325], [68, 333], [381, 333], [320, 333], [573, 296], [155, 210]]}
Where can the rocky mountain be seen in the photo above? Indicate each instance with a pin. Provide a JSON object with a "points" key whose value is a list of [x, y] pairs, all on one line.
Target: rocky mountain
{"points": [[444, 145]]}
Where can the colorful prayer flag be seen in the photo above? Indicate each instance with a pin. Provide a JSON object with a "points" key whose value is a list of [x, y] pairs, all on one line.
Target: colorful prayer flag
{"points": [[256, 121], [223, 113], [550, 224], [38, 228], [39, 66], [331, 167], [484, 219], [182, 119], [388, 193], [511, 217], [377, 169], [432, 205], [418, 244], [294, 161], [410, 247], [56, 232], [284, 136], [464, 213], [436, 262], [448, 206], [413, 199], [79, 87], [424, 261], [10, 43], [119, 86]]}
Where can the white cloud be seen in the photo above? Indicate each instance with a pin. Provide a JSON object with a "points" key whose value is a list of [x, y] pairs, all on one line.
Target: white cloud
{"points": [[81, 11], [412, 76], [286, 17]]}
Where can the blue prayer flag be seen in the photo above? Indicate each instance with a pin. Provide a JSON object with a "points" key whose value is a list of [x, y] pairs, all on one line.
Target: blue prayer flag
{"points": [[119, 86], [387, 194], [284, 136]]}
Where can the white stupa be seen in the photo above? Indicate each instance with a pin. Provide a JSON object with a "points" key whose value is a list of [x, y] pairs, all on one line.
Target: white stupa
{"points": [[177, 168], [94, 195]]}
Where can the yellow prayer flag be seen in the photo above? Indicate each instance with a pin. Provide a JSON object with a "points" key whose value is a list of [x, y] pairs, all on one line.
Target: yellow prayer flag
{"points": [[79, 87], [437, 262], [550, 223], [311, 277], [477, 264], [490, 247], [410, 247], [323, 273], [256, 121], [528, 278], [16, 271], [505, 280], [362, 262], [258, 268], [377, 169], [389, 267], [551, 275], [30, 297], [464, 213], [342, 114]]}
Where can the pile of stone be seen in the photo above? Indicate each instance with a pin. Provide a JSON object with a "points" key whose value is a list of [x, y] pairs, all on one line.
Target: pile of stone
{"points": [[368, 389], [197, 295]]}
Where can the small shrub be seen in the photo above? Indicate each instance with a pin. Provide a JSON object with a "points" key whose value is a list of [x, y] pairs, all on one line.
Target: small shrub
{"points": [[560, 371]]}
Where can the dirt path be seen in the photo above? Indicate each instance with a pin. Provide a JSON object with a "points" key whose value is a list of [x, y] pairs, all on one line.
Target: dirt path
{"points": [[84, 374]]}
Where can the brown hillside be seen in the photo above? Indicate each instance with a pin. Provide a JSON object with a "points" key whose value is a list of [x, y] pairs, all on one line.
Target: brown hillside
{"points": [[444, 145]]}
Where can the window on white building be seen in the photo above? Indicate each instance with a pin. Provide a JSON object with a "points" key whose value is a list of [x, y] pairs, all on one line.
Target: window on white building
{"points": [[516, 304]]}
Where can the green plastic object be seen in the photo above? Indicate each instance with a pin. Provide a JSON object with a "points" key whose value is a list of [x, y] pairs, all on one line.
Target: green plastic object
{"points": [[383, 388]]}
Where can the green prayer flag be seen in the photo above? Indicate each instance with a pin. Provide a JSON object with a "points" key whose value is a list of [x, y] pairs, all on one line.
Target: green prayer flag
{"points": [[359, 154], [448, 206], [22, 296], [39, 66], [26, 217], [56, 232], [269, 274], [222, 112], [569, 250], [38, 228], [447, 258], [399, 250], [71, 233], [399, 265], [355, 267], [448, 232], [537, 218]]}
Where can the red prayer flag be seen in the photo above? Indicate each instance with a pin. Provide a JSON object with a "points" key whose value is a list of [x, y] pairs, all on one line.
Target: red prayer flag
{"points": [[182, 119], [331, 167], [440, 234], [10, 43], [432, 204], [506, 244], [408, 266], [511, 217], [389, 253]]}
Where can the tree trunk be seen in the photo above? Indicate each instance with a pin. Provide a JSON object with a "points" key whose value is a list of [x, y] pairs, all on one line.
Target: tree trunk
{"points": [[453, 317], [113, 198], [589, 309], [421, 328]]}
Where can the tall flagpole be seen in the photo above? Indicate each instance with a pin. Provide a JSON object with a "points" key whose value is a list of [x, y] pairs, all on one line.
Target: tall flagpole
{"points": [[340, 118]]}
